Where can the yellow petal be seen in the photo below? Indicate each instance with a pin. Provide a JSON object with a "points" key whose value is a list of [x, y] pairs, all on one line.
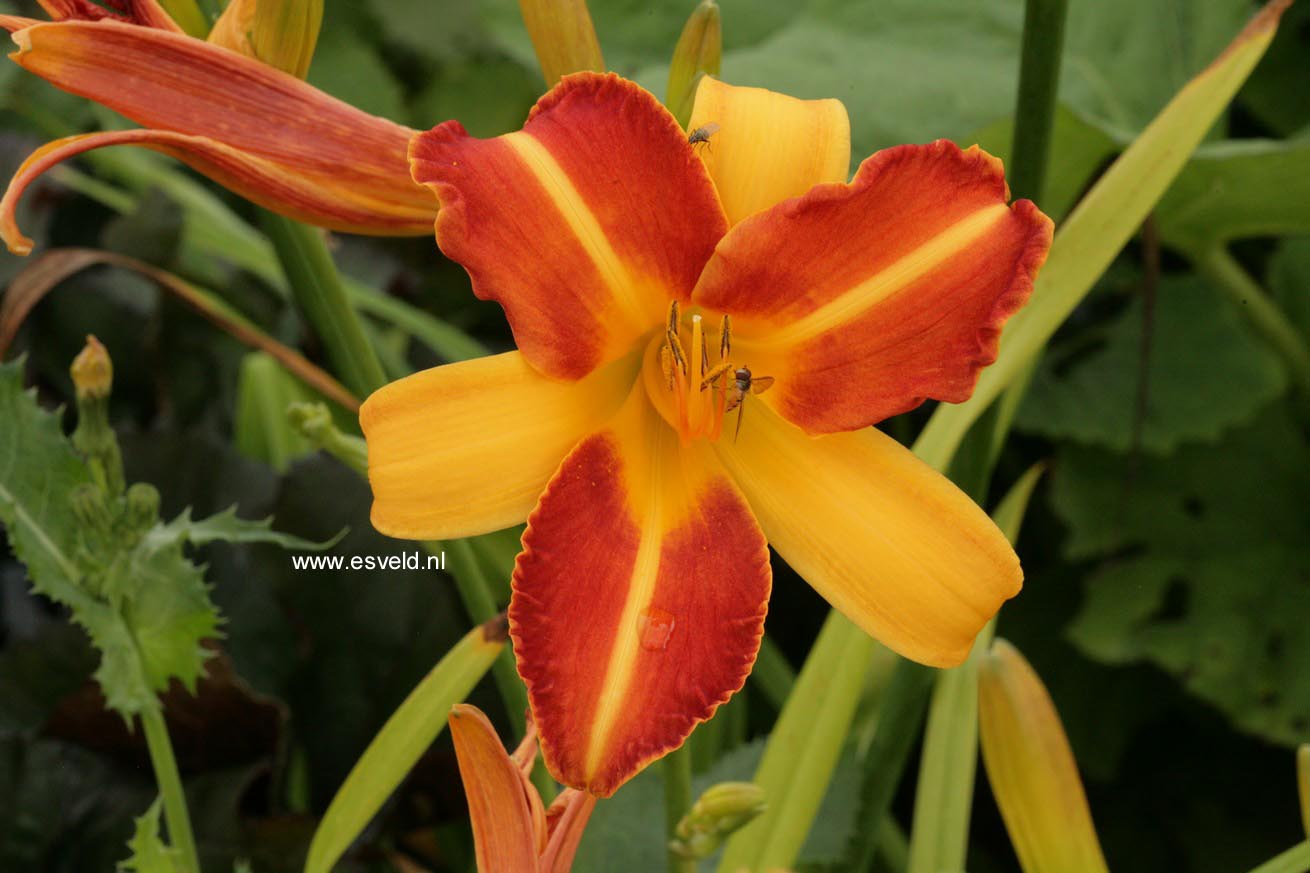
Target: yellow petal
{"points": [[467, 448], [768, 146], [889, 541], [1032, 770]]}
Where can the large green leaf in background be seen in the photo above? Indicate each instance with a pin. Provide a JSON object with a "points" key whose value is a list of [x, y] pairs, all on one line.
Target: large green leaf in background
{"points": [[1206, 374], [916, 70], [1289, 280], [1230, 190], [1211, 574]]}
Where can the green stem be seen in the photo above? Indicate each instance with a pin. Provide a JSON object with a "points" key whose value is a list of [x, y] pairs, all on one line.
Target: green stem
{"points": [[900, 714], [1223, 270], [1294, 860], [170, 789], [773, 674], [475, 592], [1039, 83], [677, 800], [319, 292]]}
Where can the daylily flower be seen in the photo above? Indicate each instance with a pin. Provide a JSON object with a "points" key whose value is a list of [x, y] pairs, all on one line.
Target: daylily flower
{"points": [[639, 273], [260, 132], [513, 832]]}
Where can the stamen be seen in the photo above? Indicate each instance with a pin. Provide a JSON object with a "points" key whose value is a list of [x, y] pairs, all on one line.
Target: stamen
{"points": [[725, 339]]}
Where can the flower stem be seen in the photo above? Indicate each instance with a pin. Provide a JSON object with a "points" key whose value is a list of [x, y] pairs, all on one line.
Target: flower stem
{"points": [[1294, 860], [677, 800], [1222, 269], [170, 789], [475, 592], [320, 294], [1039, 83], [900, 713], [772, 674]]}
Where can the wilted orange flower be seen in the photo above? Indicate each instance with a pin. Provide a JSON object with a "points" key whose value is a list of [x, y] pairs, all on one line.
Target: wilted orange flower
{"points": [[513, 832], [262, 133], [652, 285]]}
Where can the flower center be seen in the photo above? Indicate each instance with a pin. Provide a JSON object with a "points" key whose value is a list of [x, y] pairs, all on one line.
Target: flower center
{"points": [[692, 390]]}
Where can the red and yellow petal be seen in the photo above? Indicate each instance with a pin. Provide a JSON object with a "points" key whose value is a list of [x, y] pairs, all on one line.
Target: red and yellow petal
{"points": [[639, 599], [583, 225], [768, 146], [886, 539], [505, 834], [278, 124], [468, 448], [863, 300]]}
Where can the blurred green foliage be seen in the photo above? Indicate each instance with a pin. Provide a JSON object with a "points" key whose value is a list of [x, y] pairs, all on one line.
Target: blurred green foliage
{"points": [[1168, 595]]}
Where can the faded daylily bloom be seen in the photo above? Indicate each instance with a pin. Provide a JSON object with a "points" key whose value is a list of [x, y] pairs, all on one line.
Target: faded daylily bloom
{"points": [[259, 131], [653, 288], [513, 831]]}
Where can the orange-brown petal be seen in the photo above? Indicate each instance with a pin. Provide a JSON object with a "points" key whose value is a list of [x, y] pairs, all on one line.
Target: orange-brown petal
{"points": [[639, 599], [863, 300], [170, 82], [583, 225], [316, 198], [504, 832]]}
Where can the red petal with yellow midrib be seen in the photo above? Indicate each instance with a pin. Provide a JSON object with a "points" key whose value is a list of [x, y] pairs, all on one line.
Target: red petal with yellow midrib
{"points": [[639, 600], [863, 300], [583, 226]]}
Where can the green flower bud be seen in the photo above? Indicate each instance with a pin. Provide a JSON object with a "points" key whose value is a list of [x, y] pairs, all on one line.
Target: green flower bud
{"points": [[720, 811], [698, 53], [142, 506]]}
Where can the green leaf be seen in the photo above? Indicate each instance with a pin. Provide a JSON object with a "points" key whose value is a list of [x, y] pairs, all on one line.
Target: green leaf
{"points": [[943, 797], [39, 471], [226, 527], [953, 63], [1279, 91], [802, 754], [1214, 588], [1289, 279], [1232, 190], [1078, 149], [262, 430], [1206, 374], [401, 742], [149, 854], [1104, 221]]}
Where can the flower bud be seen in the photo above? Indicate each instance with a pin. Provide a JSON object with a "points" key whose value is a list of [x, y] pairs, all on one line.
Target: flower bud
{"points": [[92, 371], [698, 53], [564, 37], [280, 33], [142, 506], [89, 507], [1031, 768], [720, 811]]}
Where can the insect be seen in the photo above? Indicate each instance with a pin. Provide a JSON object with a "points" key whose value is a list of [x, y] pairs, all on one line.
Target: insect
{"points": [[702, 134], [743, 382]]}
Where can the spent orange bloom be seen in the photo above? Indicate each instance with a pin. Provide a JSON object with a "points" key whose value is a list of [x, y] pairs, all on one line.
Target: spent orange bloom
{"points": [[640, 273], [513, 831], [260, 132]]}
